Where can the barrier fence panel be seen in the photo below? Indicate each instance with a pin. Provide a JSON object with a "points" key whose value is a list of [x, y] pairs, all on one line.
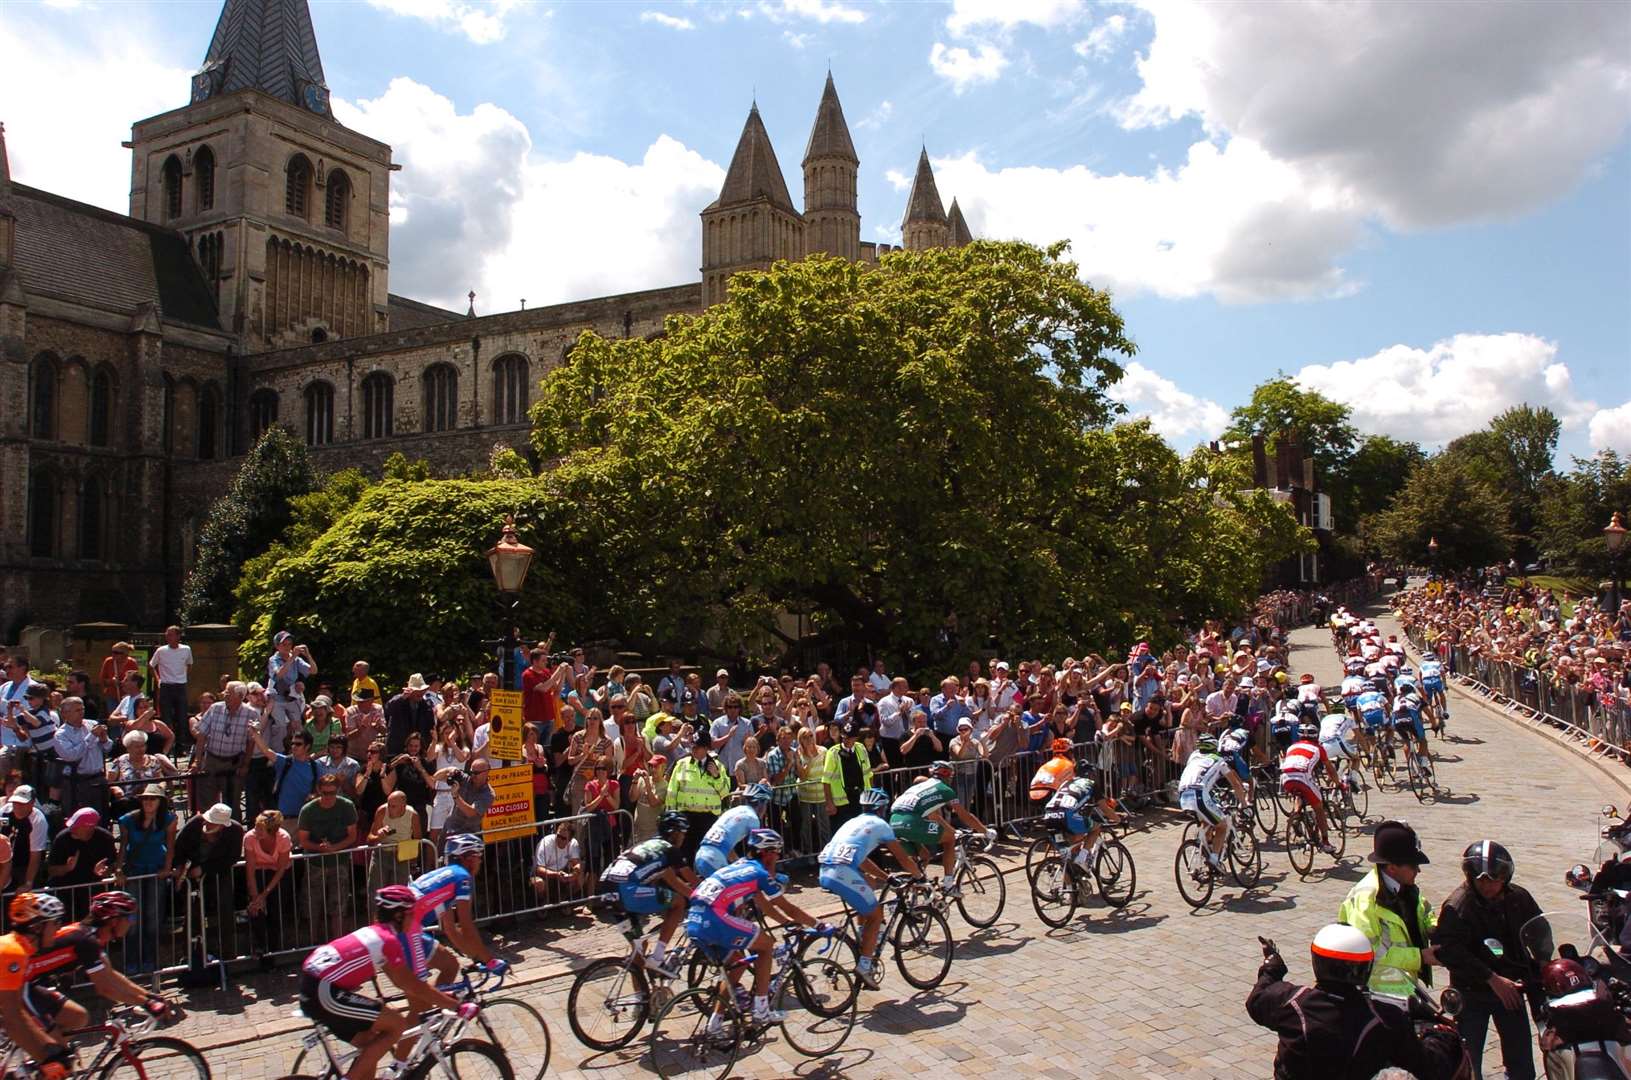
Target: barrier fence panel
{"points": [[508, 885]]}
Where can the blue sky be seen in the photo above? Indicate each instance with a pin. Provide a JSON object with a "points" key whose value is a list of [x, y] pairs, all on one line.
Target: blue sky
{"points": [[1422, 210]]}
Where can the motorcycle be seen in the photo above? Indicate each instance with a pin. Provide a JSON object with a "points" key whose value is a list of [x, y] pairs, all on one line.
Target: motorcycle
{"points": [[1582, 1020], [1607, 887]]}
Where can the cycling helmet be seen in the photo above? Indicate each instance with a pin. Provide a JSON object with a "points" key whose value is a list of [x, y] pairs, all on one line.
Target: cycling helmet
{"points": [[940, 770], [673, 821], [763, 840], [1061, 746], [874, 799], [1343, 955], [31, 907], [1308, 731], [461, 844], [1486, 857], [756, 793], [1233, 741], [1306, 677], [1206, 744], [1562, 977], [111, 905], [395, 898]]}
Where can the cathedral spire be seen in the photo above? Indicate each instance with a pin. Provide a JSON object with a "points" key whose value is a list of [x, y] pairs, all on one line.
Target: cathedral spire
{"points": [[958, 227], [829, 138], [265, 45], [5, 164], [923, 204], [754, 172]]}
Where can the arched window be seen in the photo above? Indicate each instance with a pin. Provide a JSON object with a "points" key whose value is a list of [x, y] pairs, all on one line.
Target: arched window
{"points": [[42, 516], [262, 412], [337, 202], [319, 414], [440, 394], [172, 187], [209, 420], [43, 399], [297, 186], [510, 389], [378, 406], [90, 519], [101, 407], [204, 177]]}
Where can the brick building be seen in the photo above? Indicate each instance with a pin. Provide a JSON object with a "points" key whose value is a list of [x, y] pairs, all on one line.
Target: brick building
{"points": [[249, 286]]}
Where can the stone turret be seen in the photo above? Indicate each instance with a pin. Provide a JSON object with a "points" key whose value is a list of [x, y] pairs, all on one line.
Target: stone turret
{"points": [[958, 228], [832, 218], [753, 222], [925, 224]]}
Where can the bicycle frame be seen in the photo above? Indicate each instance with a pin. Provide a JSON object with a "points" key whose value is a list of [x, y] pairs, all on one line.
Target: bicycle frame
{"points": [[117, 1037], [428, 1043]]}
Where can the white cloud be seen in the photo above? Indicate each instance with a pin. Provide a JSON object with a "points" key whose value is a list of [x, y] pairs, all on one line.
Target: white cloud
{"points": [[821, 11], [482, 21], [1101, 41], [1454, 386], [1177, 416], [1610, 429], [475, 208], [673, 22], [964, 68], [1006, 14], [797, 41], [1426, 115], [878, 117]]}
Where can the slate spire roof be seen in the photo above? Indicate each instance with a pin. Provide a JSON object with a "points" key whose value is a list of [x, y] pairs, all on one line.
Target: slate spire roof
{"points": [[754, 173], [829, 138], [924, 204], [960, 233], [266, 45]]}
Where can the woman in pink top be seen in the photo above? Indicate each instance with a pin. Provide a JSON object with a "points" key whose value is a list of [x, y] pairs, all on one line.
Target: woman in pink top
{"points": [[267, 850]]}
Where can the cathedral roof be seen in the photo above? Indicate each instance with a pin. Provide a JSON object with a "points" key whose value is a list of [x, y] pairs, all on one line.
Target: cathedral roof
{"points": [[829, 138], [924, 204], [408, 314], [754, 173], [265, 45], [960, 234], [90, 256]]}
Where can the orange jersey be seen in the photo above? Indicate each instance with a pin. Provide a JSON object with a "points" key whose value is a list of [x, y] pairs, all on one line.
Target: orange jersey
{"points": [[15, 953], [1054, 774]]}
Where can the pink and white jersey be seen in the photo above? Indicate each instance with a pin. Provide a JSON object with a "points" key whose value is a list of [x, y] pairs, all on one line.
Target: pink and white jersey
{"points": [[1302, 761], [348, 962]]}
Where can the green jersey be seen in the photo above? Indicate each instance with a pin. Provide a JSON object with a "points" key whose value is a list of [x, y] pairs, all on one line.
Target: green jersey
{"points": [[922, 799]]}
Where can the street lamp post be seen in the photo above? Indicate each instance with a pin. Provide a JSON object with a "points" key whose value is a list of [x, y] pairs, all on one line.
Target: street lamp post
{"points": [[1614, 538], [1432, 554], [509, 560]]}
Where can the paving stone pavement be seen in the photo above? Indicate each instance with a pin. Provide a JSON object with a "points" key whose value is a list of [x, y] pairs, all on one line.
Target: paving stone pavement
{"points": [[1153, 990]]}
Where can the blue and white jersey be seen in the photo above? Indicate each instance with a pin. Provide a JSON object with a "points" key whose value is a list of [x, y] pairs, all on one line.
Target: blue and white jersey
{"points": [[731, 828], [1352, 687], [1372, 704], [1432, 669], [856, 840]]}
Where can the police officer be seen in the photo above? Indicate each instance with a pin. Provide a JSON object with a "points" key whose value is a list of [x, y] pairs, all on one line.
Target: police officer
{"points": [[697, 787]]}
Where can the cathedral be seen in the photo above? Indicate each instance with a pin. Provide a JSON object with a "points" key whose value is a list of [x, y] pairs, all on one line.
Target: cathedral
{"points": [[249, 286]]}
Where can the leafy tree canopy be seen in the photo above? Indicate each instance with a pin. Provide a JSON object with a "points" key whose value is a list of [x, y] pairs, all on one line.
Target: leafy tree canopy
{"points": [[1574, 508], [1445, 499], [1321, 425]]}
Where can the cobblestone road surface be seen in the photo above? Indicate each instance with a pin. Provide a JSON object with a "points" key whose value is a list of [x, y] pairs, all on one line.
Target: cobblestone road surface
{"points": [[1154, 990]]}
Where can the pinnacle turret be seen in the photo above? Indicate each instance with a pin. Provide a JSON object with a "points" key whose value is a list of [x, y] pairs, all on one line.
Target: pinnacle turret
{"points": [[925, 224], [957, 226], [829, 138], [754, 172]]}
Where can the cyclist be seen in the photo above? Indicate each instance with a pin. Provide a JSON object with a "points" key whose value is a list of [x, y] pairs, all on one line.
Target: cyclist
{"points": [[1283, 728], [1204, 770], [848, 872], [334, 973], [1432, 686], [1407, 720], [1079, 815], [1232, 747], [29, 1013], [1054, 772], [715, 923], [1297, 769], [1308, 691], [720, 842], [1339, 736], [918, 817], [448, 889], [1371, 707], [652, 877], [1353, 684], [82, 946]]}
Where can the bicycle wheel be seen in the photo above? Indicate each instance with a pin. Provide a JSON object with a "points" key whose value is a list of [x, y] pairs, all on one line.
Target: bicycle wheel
{"points": [[1053, 892], [467, 1059], [1035, 854], [1337, 827], [157, 1057], [1359, 793], [1192, 873], [1418, 780], [1245, 858], [681, 1045], [825, 976], [983, 892], [1265, 810], [519, 1030], [1300, 843], [923, 948], [610, 1001], [1115, 873], [816, 1031]]}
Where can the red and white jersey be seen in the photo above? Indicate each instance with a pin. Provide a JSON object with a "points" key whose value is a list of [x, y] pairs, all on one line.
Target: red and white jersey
{"points": [[350, 961], [1302, 761], [1308, 691]]}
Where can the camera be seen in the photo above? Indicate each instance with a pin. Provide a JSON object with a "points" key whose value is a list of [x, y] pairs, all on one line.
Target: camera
{"points": [[457, 777], [560, 658]]}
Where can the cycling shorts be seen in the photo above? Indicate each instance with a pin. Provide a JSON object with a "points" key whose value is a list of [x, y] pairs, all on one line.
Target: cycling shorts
{"points": [[640, 899], [1374, 718], [1337, 749], [1409, 722], [1073, 822], [911, 829], [710, 861], [1432, 686], [344, 1012], [1296, 785], [1200, 803], [43, 1003], [718, 935], [1284, 735], [851, 886]]}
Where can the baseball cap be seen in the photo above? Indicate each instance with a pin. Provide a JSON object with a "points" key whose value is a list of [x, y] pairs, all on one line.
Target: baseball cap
{"points": [[281, 636], [321, 701], [23, 794], [723, 672], [82, 815]]}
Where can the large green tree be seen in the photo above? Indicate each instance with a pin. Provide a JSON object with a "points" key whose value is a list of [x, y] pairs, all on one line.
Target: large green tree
{"points": [[1514, 456], [1574, 508], [245, 522], [1279, 406], [1445, 499], [1373, 475]]}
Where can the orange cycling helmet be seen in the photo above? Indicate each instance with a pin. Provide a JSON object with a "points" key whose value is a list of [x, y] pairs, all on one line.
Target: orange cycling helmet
{"points": [[29, 908], [1061, 746]]}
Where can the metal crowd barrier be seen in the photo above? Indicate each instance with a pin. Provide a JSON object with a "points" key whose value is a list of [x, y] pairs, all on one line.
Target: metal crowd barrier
{"points": [[507, 886]]}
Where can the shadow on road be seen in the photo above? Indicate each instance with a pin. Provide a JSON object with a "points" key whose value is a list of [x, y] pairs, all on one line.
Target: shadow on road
{"points": [[843, 1063]]}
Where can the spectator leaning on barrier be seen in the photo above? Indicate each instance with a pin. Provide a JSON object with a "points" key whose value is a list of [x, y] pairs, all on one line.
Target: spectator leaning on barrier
{"points": [[207, 851], [267, 861], [24, 825], [328, 824]]}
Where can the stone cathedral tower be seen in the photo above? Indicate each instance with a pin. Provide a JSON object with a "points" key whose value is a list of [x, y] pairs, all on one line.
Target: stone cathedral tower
{"points": [[925, 224], [285, 209], [832, 219], [753, 223]]}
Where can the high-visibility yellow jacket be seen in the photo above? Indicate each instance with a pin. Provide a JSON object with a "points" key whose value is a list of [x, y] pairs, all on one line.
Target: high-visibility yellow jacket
{"points": [[834, 771], [693, 788], [1398, 962]]}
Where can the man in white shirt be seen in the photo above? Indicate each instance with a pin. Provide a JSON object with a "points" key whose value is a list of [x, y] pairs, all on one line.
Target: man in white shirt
{"points": [[1003, 689], [558, 866], [1221, 703], [879, 679], [893, 710], [172, 662]]}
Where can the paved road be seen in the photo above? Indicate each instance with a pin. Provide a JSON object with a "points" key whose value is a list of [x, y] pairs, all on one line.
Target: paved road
{"points": [[1154, 990]]}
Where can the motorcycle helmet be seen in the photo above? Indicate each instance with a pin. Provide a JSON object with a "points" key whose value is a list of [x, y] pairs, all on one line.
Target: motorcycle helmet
{"points": [[1578, 876], [1563, 977], [1486, 857], [1342, 954]]}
